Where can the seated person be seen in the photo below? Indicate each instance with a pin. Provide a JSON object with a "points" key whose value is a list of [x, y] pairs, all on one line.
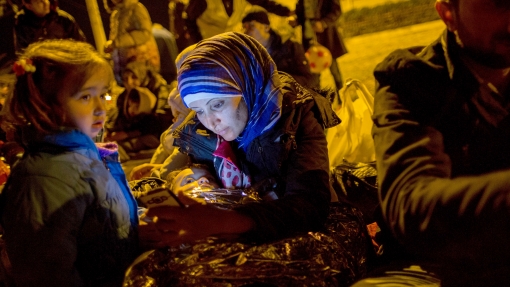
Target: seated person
{"points": [[141, 114], [289, 55]]}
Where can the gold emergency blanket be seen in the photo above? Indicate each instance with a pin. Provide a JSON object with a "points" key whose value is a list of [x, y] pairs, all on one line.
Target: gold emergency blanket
{"points": [[334, 257]]}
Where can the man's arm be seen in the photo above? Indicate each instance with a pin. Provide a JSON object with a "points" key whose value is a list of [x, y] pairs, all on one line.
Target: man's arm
{"points": [[430, 212]]}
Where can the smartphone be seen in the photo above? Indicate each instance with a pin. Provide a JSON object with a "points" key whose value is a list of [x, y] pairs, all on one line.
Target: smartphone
{"points": [[161, 196]]}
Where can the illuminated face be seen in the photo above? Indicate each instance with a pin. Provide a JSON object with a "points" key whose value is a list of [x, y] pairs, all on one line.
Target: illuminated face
{"points": [[191, 178], [130, 80], [487, 43], [258, 31], [225, 116], [40, 8], [86, 110]]}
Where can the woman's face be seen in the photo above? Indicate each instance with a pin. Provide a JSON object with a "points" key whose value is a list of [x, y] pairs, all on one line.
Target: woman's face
{"points": [[225, 116]]}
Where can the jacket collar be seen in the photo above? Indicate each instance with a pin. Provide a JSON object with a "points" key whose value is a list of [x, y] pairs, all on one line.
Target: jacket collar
{"points": [[68, 140]]}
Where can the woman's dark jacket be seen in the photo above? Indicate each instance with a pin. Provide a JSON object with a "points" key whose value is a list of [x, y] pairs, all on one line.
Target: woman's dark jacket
{"points": [[291, 160]]}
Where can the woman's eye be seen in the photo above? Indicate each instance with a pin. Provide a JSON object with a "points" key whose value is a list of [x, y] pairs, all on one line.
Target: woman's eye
{"points": [[217, 105], [189, 180], [85, 97], [104, 96], [200, 112]]}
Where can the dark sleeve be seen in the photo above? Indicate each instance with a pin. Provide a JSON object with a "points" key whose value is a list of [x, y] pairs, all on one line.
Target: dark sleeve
{"points": [[272, 7], [332, 13], [304, 205], [42, 216], [194, 9], [421, 201], [301, 71]]}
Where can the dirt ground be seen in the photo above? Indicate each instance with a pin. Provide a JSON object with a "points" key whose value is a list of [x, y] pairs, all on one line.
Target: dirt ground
{"points": [[366, 51]]}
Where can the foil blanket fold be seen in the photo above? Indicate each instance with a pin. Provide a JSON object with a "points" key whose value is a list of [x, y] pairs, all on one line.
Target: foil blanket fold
{"points": [[335, 256]]}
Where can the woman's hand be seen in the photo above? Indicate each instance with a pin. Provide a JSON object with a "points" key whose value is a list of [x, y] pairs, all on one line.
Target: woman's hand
{"points": [[177, 225]]}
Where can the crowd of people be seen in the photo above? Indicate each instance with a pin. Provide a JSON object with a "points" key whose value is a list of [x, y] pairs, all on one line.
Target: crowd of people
{"points": [[225, 102]]}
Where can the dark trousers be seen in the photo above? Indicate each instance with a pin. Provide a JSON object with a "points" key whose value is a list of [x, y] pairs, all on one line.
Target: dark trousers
{"points": [[337, 75]]}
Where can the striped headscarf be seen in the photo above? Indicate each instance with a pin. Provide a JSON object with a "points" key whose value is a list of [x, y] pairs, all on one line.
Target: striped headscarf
{"points": [[230, 64]]}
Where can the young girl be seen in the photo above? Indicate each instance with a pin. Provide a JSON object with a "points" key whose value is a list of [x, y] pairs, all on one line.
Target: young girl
{"points": [[67, 211]]}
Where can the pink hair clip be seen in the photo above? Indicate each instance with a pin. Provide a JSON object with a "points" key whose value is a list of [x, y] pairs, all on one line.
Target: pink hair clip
{"points": [[23, 66]]}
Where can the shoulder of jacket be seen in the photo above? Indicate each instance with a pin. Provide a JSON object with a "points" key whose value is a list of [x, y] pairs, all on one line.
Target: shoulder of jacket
{"points": [[413, 60]]}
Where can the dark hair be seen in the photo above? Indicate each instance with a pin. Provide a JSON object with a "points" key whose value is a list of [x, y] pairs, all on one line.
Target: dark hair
{"points": [[61, 68], [258, 14]]}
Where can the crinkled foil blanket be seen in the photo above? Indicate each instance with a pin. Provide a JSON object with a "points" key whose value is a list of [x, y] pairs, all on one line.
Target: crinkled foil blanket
{"points": [[334, 257]]}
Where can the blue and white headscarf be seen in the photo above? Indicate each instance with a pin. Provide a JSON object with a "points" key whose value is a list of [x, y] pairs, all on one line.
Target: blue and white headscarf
{"points": [[231, 64]]}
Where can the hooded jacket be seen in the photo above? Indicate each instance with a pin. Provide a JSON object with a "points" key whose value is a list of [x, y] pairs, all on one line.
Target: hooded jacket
{"points": [[68, 214]]}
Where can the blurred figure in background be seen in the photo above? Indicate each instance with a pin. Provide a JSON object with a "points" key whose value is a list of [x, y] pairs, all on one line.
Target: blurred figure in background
{"points": [[207, 18], [131, 37], [38, 20], [168, 51], [289, 55], [142, 113], [318, 19], [7, 20]]}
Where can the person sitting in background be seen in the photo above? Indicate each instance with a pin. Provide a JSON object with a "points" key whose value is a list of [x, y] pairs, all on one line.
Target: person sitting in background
{"points": [[206, 18], [288, 55], [131, 37], [140, 116], [168, 51], [441, 132], [38, 20]]}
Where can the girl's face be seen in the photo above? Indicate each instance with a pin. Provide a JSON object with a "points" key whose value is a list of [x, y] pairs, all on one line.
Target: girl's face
{"points": [[225, 116], [86, 110]]}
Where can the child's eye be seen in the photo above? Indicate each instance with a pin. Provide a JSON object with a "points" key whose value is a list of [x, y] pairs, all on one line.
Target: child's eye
{"points": [[85, 97], [104, 96], [189, 180], [199, 112]]}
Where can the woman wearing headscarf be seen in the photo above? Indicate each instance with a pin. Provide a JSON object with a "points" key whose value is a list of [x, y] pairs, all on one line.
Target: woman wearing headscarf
{"points": [[257, 128]]}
